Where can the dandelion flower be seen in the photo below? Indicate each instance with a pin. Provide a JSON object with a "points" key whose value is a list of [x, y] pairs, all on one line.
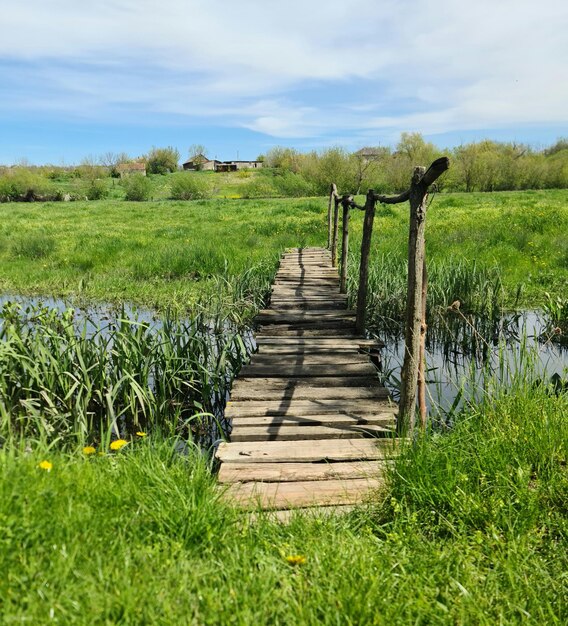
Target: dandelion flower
{"points": [[141, 433], [118, 444], [46, 465], [88, 450], [296, 559]]}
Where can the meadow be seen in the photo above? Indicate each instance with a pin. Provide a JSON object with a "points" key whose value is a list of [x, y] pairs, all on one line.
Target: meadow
{"points": [[471, 526], [168, 253]]}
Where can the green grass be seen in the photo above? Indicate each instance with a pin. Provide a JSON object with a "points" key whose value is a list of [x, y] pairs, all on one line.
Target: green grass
{"points": [[162, 254], [471, 529], [167, 252], [524, 235]]}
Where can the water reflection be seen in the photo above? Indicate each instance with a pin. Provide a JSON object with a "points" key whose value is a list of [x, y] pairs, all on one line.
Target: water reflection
{"points": [[463, 353]]}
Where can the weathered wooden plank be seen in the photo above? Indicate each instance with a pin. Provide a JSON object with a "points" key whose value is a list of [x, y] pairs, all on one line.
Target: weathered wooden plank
{"points": [[353, 407], [294, 472], [297, 314], [301, 494], [385, 419], [257, 392], [307, 451], [287, 330], [267, 338], [304, 370], [286, 432], [327, 357], [285, 384]]}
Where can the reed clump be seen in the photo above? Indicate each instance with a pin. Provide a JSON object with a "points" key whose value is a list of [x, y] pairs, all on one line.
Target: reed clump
{"points": [[66, 379]]}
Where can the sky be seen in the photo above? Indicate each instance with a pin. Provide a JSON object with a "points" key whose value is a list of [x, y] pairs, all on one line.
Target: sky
{"points": [[78, 78]]}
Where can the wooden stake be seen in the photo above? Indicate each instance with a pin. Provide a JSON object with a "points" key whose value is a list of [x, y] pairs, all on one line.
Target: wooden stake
{"points": [[422, 356], [332, 196], [344, 245], [364, 267], [335, 232]]}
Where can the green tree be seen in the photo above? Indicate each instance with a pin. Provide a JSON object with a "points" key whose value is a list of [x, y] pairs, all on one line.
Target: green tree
{"points": [[162, 160]]}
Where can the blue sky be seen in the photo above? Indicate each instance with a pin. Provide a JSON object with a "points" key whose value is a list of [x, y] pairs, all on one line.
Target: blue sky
{"points": [[79, 79]]}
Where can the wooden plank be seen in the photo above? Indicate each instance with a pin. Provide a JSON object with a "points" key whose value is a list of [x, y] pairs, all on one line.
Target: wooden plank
{"points": [[284, 384], [287, 330], [257, 392], [305, 370], [282, 432], [294, 472], [326, 357], [301, 494], [298, 314], [307, 451], [353, 407], [385, 419], [265, 339]]}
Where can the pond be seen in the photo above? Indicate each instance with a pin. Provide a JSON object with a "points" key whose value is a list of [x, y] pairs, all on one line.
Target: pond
{"points": [[463, 353]]}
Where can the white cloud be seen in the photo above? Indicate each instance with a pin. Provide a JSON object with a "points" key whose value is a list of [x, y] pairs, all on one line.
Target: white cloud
{"points": [[272, 67]]}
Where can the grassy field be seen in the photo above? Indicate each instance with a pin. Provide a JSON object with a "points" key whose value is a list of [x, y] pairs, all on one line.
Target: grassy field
{"points": [[160, 254], [166, 253], [471, 529]]}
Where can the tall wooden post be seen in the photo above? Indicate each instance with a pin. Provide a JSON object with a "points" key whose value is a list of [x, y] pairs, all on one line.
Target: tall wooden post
{"points": [[344, 244], [414, 310], [422, 354], [335, 232], [364, 267], [332, 196], [415, 323]]}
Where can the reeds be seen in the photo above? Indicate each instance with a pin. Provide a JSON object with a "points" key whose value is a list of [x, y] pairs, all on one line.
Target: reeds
{"points": [[479, 289], [64, 378]]}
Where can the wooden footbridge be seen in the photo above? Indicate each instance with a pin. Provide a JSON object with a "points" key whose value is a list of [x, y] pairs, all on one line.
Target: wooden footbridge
{"points": [[311, 424]]}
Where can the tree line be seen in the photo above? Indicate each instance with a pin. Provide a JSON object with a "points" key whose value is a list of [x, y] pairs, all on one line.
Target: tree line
{"points": [[478, 166]]}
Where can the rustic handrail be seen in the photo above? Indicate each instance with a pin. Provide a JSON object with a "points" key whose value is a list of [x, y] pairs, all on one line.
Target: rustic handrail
{"points": [[413, 375]]}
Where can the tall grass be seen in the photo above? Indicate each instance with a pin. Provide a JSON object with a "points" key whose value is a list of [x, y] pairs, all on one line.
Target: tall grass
{"points": [[471, 528], [64, 381], [478, 288]]}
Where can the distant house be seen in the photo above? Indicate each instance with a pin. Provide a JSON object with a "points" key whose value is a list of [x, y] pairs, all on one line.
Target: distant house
{"points": [[126, 169], [369, 154], [201, 162]]}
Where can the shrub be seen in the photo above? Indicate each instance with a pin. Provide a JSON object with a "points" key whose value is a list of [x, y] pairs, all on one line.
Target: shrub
{"points": [[25, 186], [293, 185], [96, 189], [258, 188], [186, 186], [162, 160], [137, 187]]}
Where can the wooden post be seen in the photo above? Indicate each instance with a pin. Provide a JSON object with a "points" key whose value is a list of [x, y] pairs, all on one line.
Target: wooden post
{"points": [[422, 356], [335, 232], [416, 252], [415, 326], [332, 196], [364, 267], [344, 244]]}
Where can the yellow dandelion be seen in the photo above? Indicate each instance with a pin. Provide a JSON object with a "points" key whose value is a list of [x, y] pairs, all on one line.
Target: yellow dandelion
{"points": [[118, 444], [88, 450], [141, 433], [46, 465], [296, 559]]}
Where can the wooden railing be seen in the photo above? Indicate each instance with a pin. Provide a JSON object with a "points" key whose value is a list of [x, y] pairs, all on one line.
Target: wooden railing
{"points": [[413, 376]]}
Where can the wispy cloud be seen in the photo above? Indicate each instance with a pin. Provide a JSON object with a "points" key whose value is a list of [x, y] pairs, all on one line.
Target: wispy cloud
{"points": [[292, 70]]}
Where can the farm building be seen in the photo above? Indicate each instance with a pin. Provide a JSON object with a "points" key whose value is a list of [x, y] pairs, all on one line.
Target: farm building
{"points": [[126, 169], [201, 162]]}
